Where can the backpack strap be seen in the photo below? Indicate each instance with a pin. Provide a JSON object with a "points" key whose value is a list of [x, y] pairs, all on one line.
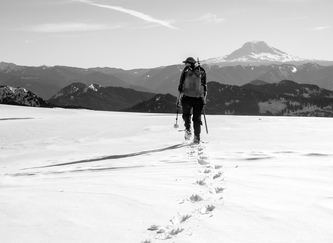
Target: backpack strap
{"points": [[182, 79]]}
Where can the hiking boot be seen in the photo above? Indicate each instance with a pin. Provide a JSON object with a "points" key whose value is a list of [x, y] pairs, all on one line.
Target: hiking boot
{"points": [[188, 134], [196, 140]]}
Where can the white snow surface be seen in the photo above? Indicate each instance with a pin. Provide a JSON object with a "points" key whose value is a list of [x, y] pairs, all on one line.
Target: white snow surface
{"points": [[94, 176]]}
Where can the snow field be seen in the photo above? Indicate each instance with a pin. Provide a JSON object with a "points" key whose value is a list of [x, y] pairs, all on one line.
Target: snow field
{"points": [[92, 176]]}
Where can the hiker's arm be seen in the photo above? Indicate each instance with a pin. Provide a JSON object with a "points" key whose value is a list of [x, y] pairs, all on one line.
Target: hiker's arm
{"points": [[181, 82], [204, 81], [180, 87]]}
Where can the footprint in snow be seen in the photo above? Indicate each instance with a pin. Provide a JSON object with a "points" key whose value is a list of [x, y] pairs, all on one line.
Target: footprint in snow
{"points": [[180, 219], [219, 189], [207, 209], [203, 161], [164, 233], [195, 198], [217, 175], [207, 171], [201, 182]]}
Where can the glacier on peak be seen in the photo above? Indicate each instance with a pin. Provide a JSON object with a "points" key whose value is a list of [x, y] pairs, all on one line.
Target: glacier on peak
{"points": [[254, 52]]}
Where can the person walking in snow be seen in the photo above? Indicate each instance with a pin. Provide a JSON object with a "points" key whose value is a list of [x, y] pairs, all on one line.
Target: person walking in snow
{"points": [[193, 91]]}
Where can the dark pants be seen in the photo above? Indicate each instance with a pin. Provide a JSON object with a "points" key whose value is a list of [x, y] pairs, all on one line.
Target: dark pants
{"points": [[192, 104]]}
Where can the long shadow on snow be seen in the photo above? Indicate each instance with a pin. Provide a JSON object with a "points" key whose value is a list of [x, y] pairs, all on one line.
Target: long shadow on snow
{"points": [[121, 156], [10, 119]]}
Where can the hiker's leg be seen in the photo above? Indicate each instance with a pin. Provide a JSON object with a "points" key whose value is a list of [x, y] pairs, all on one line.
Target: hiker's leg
{"points": [[197, 109], [186, 106]]}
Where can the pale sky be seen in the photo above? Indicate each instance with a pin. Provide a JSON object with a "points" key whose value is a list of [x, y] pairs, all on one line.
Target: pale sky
{"points": [[150, 33]]}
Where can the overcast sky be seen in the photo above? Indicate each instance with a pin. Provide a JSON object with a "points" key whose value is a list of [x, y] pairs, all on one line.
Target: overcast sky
{"points": [[150, 33]]}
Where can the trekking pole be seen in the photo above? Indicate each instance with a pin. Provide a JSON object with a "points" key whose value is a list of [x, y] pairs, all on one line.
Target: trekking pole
{"points": [[204, 113], [176, 124], [203, 109]]}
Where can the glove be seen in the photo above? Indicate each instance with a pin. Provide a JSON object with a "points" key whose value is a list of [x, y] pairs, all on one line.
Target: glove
{"points": [[179, 100]]}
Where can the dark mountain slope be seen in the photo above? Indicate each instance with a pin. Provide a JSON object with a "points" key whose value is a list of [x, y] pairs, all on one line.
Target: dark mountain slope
{"points": [[98, 98]]}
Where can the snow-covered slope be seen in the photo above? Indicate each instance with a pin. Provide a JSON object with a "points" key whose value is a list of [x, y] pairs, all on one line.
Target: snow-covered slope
{"points": [[92, 176], [255, 53]]}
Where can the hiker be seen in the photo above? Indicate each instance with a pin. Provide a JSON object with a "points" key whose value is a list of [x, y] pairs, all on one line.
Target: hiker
{"points": [[193, 91]]}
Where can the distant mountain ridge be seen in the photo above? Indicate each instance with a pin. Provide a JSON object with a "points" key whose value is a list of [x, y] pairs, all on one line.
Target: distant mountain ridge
{"points": [[286, 98], [291, 89], [309, 73], [96, 97], [241, 67], [46, 81]]}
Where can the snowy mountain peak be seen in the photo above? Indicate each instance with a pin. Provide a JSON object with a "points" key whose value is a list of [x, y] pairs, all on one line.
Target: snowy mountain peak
{"points": [[255, 47], [254, 53]]}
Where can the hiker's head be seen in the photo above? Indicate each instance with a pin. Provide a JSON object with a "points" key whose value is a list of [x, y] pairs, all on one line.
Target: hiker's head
{"points": [[190, 61]]}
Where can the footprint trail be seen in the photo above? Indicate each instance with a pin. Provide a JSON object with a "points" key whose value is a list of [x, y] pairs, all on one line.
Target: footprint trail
{"points": [[205, 199]]}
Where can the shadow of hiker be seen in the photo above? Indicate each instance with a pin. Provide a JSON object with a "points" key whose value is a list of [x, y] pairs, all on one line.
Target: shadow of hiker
{"points": [[120, 156]]}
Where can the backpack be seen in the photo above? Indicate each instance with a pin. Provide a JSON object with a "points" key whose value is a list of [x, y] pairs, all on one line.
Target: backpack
{"points": [[192, 86]]}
